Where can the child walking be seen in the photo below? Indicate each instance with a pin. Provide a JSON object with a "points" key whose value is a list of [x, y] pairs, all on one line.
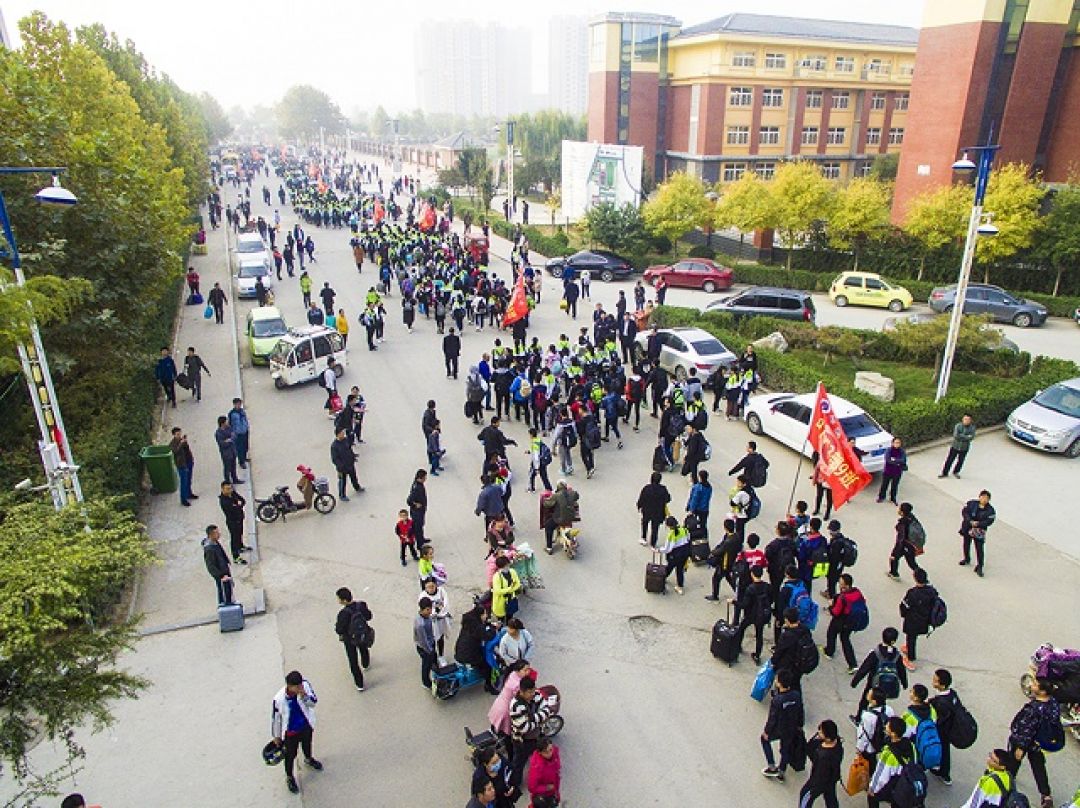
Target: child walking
{"points": [[406, 536]]}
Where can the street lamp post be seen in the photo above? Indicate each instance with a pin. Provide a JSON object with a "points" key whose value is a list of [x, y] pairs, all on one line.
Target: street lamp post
{"points": [[976, 227], [61, 473]]}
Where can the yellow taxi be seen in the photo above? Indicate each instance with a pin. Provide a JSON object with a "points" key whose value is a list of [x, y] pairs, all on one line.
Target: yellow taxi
{"points": [[868, 289]]}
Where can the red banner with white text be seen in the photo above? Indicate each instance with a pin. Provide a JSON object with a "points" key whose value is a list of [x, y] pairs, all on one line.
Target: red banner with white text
{"points": [[838, 466]]}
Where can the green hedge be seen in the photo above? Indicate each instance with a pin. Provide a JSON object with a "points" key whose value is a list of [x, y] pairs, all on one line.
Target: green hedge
{"points": [[916, 420], [1062, 306]]}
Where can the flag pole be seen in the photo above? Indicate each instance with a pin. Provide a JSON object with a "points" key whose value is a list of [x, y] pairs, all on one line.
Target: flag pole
{"points": [[798, 470]]}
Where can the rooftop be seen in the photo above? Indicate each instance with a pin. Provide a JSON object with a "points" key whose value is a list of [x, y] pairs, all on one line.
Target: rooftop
{"points": [[800, 27], [635, 16]]}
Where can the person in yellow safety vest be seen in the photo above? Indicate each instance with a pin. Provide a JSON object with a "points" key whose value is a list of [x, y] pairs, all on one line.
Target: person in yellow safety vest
{"points": [[500, 350], [995, 784], [919, 710], [676, 550], [897, 752], [372, 298], [563, 343]]}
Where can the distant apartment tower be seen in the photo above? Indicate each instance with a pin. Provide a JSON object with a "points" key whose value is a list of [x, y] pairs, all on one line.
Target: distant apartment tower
{"points": [[470, 69], [1006, 69], [5, 38], [745, 91], [568, 63]]}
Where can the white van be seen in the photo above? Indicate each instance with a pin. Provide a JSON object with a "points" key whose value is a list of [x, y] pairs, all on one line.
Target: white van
{"points": [[303, 353]]}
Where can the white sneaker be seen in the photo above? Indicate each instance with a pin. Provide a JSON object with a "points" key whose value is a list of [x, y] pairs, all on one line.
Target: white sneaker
{"points": [[643, 543]]}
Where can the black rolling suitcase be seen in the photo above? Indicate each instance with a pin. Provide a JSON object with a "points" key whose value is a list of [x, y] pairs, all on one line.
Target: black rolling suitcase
{"points": [[725, 640], [656, 575], [659, 459], [699, 538]]}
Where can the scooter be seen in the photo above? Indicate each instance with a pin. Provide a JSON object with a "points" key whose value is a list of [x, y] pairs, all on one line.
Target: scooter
{"points": [[568, 540], [447, 680], [481, 742], [281, 503]]}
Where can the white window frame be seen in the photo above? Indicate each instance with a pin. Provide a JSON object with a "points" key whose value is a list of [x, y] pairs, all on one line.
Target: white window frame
{"points": [[775, 61], [877, 100], [873, 136], [844, 64], [836, 136], [841, 100], [741, 97], [744, 59], [738, 136], [901, 102], [733, 171], [810, 136], [896, 136], [765, 170], [769, 135], [772, 97], [831, 171], [815, 99]]}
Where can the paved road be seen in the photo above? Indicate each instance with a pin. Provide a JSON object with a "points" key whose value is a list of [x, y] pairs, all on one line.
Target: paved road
{"points": [[641, 693]]}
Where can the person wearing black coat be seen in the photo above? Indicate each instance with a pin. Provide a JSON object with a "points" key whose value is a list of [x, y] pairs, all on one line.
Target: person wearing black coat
{"points": [[657, 379], [695, 453], [903, 547], [217, 564], [755, 605], [652, 504], [825, 752], [451, 348], [429, 419], [495, 442], [232, 506], [779, 555], [344, 460], [785, 721], [350, 607], [915, 610], [977, 516], [469, 648], [786, 653], [417, 502], [886, 650]]}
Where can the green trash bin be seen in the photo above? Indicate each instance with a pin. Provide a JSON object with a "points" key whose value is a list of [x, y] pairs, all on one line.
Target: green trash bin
{"points": [[162, 468]]}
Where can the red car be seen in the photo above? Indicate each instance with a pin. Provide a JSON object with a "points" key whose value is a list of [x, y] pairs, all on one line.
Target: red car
{"points": [[693, 273]]}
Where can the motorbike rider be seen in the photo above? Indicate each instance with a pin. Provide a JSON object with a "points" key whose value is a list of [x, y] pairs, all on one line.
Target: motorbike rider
{"points": [[528, 712], [560, 510]]}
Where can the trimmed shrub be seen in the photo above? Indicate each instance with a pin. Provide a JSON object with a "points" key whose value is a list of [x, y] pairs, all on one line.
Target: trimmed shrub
{"points": [[702, 251]]}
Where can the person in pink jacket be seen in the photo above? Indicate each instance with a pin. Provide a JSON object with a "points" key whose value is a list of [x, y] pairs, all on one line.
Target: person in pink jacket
{"points": [[499, 714], [545, 770], [493, 558]]}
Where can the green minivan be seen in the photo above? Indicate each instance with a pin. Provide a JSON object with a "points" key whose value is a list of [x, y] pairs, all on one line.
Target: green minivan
{"points": [[265, 326]]}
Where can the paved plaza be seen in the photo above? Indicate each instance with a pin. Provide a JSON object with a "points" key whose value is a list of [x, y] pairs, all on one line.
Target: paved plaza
{"points": [[651, 718]]}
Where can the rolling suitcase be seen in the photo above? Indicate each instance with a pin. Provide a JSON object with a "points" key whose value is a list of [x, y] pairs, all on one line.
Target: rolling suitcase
{"points": [[656, 575], [230, 617], [699, 549], [725, 636], [659, 459]]}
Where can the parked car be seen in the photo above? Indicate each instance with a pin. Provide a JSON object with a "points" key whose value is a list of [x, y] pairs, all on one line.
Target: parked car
{"points": [[1076, 316], [602, 264], [684, 348], [693, 273], [249, 269], [1050, 421], [765, 301], [868, 289], [303, 354], [922, 317], [983, 298], [265, 326], [786, 418]]}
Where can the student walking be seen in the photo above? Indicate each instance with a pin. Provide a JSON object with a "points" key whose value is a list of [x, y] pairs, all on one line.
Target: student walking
{"points": [[292, 724], [217, 301], [905, 546], [915, 609], [783, 724], [870, 726], [652, 505], [185, 464], [755, 605], [895, 466], [165, 373], [226, 444], [825, 752], [977, 516], [217, 564], [344, 459], [355, 634], [882, 668], [946, 704], [897, 751], [996, 783], [241, 429], [676, 551], [962, 435], [1040, 714], [846, 607], [417, 502], [193, 368]]}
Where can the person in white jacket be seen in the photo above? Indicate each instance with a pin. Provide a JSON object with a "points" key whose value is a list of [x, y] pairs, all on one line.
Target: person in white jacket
{"points": [[867, 727], [516, 644], [293, 723]]}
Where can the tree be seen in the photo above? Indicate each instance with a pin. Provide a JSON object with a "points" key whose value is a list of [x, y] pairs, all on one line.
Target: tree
{"points": [[1013, 198], [303, 110], [745, 204], [1060, 244], [485, 184], [44, 299], [615, 228], [218, 125], [800, 196], [832, 339], [60, 573], [678, 207], [539, 136], [861, 212], [937, 219], [379, 123], [471, 165], [885, 166], [926, 340]]}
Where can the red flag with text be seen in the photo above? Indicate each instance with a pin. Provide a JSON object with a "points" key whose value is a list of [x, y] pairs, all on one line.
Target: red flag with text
{"points": [[518, 308], [838, 467]]}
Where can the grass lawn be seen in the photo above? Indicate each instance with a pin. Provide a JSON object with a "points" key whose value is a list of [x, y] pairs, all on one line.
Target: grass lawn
{"points": [[911, 381]]}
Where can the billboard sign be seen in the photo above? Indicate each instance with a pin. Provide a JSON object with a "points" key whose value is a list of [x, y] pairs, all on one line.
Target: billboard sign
{"points": [[594, 173]]}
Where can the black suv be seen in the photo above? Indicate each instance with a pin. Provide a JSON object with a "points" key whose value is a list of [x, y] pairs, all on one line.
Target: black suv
{"points": [[766, 301]]}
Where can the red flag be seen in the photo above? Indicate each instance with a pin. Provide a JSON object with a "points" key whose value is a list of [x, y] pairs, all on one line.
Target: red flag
{"points": [[838, 466], [518, 307], [380, 211]]}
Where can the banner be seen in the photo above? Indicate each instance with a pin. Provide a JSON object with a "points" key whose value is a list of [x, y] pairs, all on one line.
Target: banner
{"points": [[518, 307], [595, 173], [839, 468]]}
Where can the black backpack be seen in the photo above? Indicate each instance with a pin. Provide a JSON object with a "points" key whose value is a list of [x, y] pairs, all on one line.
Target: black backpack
{"points": [[759, 475], [849, 551], [886, 676], [877, 737], [909, 786], [360, 633], [962, 730], [939, 612], [807, 655]]}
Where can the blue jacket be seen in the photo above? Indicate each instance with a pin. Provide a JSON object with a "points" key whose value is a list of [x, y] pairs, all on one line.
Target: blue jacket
{"points": [[610, 403], [806, 549], [238, 421], [165, 370], [700, 495]]}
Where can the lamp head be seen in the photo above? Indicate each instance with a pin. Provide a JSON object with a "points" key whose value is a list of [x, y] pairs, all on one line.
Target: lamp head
{"points": [[55, 194], [963, 165], [23, 485], [988, 230]]}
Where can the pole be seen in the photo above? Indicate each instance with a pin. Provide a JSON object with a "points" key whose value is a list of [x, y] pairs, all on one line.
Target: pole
{"points": [[510, 166], [798, 470], [986, 158], [61, 473]]}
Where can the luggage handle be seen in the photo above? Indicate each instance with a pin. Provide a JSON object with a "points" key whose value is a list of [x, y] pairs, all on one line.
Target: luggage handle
{"points": [[658, 557], [730, 606]]}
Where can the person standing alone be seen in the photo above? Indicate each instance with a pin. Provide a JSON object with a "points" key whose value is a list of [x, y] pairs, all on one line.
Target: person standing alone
{"points": [[355, 634], [185, 464], [978, 515], [241, 429], [232, 505], [962, 436], [293, 723], [217, 564]]}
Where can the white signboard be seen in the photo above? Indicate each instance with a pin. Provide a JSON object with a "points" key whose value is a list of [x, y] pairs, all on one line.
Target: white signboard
{"points": [[593, 173]]}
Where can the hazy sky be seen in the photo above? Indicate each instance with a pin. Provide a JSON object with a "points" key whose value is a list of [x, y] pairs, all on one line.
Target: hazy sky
{"points": [[359, 52]]}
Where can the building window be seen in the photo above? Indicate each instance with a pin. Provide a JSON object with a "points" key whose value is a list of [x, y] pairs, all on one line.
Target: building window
{"points": [[813, 99], [873, 136], [772, 97], [831, 171], [841, 100], [769, 135], [646, 42], [901, 102], [743, 59], [883, 66], [738, 135], [809, 136], [765, 170], [864, 169], [815, 63], [907, 69], [877, 101], [733, 171], [896, 136], [844, 64], [775, 61], [836, 136], [741, 96]]}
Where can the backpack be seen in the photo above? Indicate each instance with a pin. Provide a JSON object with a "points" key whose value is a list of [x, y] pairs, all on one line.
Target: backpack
{"points": [[939, 613], [701, 422], [1010, 797], [621, 407], [360, 633], [928, 743], [916, 533], [760, 474], [849, 551], [886, 676], [797, 754], [785, 557], [637, 389], [963, 729], [525, 389], [1050, 736], [570, 436], [909, 786], [807, 655], [677, 425], [695, 526], [753, 507], [808, 609], [539, 398], [544, 454], [592, 434], [877, 737], [322, 381], [707, 450], [859, 616]]}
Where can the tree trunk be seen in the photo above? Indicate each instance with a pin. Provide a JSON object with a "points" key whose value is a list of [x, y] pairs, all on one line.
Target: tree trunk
{"points": [[1057, 280], [742, 240], [855, 268], [937, 366], [922, 267]]}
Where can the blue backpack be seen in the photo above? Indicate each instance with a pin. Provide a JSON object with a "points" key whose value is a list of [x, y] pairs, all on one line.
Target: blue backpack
{"points": [[808, 610], [928, 743], [753, 507], [859, 616]]}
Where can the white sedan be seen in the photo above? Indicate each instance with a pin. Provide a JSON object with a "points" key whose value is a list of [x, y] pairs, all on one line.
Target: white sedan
{"points": [[683, 348], [250, 269], [786, 417]]}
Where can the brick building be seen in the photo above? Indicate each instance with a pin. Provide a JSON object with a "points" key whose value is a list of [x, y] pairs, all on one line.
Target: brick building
{"points": [[1007, 67], [744, 91]]}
